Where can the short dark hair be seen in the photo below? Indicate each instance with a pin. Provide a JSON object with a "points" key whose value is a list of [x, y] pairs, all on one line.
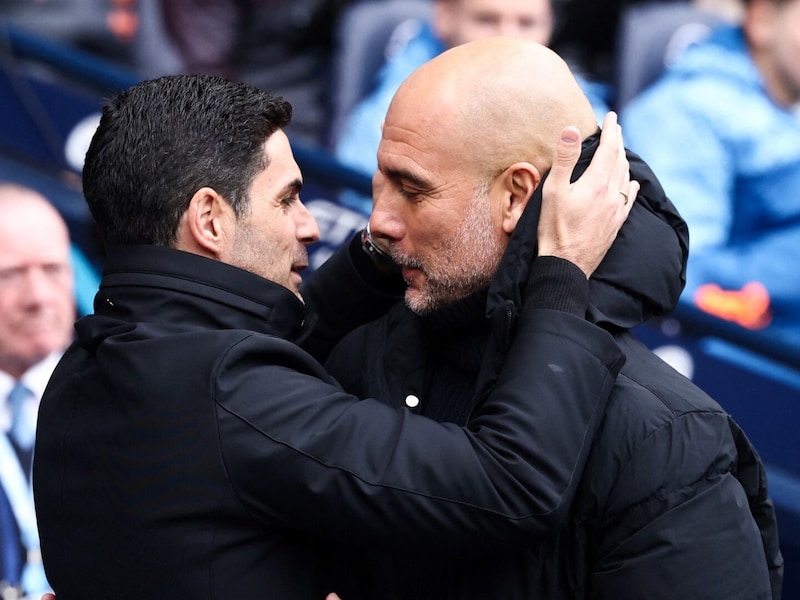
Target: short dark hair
{"points": [[161, 140]]}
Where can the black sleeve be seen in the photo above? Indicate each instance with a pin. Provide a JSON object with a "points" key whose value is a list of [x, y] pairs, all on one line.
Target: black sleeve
{"points": [[557, 284], [361, 471]]}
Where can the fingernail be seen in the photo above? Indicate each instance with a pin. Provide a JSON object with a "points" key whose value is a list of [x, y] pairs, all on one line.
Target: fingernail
{"points": [[569, 137]]}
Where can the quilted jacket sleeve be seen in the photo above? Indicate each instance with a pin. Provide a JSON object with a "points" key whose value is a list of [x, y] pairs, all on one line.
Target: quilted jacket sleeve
{"points": [[302, 453]]}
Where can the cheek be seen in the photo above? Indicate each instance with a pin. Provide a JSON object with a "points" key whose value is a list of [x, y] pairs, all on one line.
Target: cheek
{"points": [[11, 305], [428, 233], [6, 327], [66, 307], [790, 58], [540, 35]]}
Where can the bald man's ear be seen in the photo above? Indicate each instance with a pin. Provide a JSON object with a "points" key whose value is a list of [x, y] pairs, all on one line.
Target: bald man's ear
{"points": [[520, 180], [206, 227]]}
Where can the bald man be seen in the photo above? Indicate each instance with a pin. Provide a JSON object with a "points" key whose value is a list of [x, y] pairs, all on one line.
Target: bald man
{"points": [[673, 501], [37, 312], [452, 22]]}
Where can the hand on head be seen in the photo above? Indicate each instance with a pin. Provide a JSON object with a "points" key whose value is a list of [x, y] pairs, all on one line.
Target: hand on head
{"points": [[579, 221]]}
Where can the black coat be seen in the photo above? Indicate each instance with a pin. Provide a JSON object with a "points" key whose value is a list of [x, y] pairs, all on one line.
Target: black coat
{"points": [[187, 448], [673, 502]]}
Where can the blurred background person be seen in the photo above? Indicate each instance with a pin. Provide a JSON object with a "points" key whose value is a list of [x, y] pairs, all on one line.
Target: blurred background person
{"points": [[282, 46], [37, 312], [103, 28], [453, 22], [588, 30], [721, 128]]}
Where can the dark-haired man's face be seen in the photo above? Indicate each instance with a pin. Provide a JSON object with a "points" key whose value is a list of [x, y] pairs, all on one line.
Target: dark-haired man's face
{"points": [[271, 241]]}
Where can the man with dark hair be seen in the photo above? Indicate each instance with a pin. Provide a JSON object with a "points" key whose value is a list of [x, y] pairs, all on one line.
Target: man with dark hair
{"points": [[188, 448]]}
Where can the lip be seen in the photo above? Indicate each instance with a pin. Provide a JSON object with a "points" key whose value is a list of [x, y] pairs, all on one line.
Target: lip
{"points": [[296, 277], [409, 272]]}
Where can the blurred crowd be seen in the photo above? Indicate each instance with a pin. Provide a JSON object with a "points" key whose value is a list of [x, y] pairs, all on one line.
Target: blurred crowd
{"points": [[291, 46], [708, 93]]}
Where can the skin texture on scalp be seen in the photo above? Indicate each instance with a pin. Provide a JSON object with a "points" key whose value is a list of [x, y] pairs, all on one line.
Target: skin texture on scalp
{"points": [[510, 104]]}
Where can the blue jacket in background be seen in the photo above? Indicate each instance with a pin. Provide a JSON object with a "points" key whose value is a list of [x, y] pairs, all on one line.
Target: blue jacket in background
{"points": [[729, 158], [358, 141]]}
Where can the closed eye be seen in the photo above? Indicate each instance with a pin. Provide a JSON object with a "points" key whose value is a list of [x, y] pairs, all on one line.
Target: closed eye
{"points": [[409, 194]]}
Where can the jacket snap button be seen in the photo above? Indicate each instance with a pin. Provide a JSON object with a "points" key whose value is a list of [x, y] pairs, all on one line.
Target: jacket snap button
{"points": [[412, 401]]}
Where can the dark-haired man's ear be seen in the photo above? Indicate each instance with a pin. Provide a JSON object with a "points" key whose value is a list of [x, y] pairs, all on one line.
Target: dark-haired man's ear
{"points": [[207, 226]]}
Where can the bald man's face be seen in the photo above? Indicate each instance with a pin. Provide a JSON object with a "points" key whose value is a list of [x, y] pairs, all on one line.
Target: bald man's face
{"points": [[442, 226], [464, 143], [37, 307], [459, 21]]}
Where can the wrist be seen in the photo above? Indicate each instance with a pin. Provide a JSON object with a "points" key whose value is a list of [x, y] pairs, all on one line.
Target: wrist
{"points": [[557, 284]]}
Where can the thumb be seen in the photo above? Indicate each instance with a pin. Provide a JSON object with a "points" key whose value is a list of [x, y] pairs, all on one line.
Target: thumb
{"points": [[566, 157]]}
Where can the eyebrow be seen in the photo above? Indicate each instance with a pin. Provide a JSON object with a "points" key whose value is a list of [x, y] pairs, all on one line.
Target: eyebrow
{"points": [[406, 175], [292, 188]]}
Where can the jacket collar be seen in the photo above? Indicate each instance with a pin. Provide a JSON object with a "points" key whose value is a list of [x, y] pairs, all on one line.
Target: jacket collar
{"points": [[157, 284], [643, 273]]}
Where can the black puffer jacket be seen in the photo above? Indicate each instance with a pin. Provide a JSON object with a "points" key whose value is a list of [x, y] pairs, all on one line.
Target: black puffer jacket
{"points": [[187, 449], [673, 500]]}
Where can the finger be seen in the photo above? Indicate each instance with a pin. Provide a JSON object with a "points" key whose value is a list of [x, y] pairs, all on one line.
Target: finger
{"points": [[568, 151], [606, 157], [633, 193], [621, 177]]}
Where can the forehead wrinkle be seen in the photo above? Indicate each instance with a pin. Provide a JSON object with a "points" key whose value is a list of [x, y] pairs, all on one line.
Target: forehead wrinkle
{"points": [[400, 160], [403, 154]]}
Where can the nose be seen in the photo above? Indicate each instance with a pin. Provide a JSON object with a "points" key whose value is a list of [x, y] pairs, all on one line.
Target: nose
{"points": [[511, 28], [307, 227], [386, 222], [36, 286]]}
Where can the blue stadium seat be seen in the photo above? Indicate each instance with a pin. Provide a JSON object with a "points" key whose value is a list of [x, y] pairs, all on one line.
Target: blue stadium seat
{"points": [[650, 36]]}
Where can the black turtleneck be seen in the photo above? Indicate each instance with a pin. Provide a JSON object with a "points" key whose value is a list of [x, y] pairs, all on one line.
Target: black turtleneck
{"points": [[457, 336]]}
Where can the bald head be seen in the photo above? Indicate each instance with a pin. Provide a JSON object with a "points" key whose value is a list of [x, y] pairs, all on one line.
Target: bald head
{"points": [[37, 306], [26, 211], [16, 197], [494, 102]]}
